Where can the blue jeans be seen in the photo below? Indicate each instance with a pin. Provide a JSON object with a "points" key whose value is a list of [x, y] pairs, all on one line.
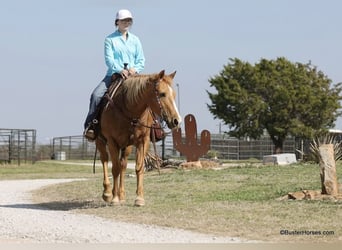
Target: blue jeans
{"points": [[96, 98]]}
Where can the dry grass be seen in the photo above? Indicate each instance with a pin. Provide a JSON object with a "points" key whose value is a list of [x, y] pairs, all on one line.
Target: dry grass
{"points": [[237, 201], [46, 169]]}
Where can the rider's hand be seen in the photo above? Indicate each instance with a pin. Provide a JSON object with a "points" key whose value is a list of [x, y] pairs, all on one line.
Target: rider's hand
{"points": [[124, 73], [132, 71]]}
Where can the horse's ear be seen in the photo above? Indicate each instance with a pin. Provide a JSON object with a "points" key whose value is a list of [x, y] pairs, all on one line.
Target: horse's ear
{"points": [[161, 74], [173, 74]]}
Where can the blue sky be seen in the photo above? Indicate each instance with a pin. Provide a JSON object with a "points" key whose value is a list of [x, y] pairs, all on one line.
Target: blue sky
{"points": [[52, 51]]}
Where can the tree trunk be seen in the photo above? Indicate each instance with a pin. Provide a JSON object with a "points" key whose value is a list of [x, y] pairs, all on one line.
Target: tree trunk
{"points": [[278, 144], [328, 169]]}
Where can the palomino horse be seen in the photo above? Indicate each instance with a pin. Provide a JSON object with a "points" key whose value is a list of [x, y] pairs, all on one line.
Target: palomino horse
{"points": [[127, 122]]}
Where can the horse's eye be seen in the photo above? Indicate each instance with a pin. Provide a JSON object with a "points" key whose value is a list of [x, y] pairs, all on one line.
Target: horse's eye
{"points": [[162, 94]]}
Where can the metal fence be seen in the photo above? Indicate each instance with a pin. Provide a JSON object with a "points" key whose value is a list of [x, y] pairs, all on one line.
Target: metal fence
{"points": [[76, 147], [17, 145], [240, 149], [72, 147]]}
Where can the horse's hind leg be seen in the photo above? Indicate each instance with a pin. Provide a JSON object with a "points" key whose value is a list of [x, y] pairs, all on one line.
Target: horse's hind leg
{"points": [[107, 195]]}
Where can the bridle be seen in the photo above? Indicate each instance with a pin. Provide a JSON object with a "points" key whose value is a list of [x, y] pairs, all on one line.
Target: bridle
{"points": [[137, 122]]}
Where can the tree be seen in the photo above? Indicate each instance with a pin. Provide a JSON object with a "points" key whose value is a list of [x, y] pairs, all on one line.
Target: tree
{"points": [[278, 96]]}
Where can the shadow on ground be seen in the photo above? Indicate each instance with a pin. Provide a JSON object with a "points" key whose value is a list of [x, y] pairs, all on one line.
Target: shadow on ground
{"points": [[59, 205]]}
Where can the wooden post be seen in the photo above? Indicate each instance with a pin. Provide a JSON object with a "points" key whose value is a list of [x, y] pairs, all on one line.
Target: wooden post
{"points": [[328, 169]]}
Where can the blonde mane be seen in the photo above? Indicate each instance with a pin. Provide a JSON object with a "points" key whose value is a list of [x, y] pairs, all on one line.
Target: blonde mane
{"points": [[134, 86]]}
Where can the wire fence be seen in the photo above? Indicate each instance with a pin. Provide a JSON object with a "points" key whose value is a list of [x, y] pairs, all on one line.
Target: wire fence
{"points": [[19, 145], [228, 148]]}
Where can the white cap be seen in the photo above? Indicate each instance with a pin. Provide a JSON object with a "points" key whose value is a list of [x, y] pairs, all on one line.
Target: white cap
{"points": [[123, 14]]}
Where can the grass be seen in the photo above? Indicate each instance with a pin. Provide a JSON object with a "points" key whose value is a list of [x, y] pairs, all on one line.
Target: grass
{"points": [[237, 201], [46, 170]]}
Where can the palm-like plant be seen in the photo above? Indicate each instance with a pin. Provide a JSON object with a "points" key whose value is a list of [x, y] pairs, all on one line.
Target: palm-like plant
{"points": [[326, 139]]}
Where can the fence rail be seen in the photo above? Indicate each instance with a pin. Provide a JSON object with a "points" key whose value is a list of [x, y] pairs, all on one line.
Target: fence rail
{"points": [[76, 147]]}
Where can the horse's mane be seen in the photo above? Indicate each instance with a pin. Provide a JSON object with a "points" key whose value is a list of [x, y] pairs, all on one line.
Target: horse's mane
{"points": [[134, 86]]}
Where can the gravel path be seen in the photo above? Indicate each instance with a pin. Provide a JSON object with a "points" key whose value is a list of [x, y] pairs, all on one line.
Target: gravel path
{"points": [[23, 221]]}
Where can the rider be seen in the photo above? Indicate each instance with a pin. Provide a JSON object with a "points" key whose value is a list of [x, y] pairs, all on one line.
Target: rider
{"points": [[120, 48]]}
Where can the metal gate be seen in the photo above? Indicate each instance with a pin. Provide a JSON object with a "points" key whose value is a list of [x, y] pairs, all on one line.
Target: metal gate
{"points": [[17, 145]]}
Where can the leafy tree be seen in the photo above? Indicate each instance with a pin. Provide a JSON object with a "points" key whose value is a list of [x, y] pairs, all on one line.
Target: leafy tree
{"points": [[278, 96]]}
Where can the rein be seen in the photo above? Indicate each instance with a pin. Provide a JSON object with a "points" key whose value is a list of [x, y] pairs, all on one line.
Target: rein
{"points": [[134, 121]]}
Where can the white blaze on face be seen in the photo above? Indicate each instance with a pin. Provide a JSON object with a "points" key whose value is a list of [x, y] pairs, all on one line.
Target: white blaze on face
{"points": [[179, 118]]}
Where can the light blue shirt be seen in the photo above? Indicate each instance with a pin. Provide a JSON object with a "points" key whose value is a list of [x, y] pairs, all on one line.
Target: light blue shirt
{"points": [[117, 51]]}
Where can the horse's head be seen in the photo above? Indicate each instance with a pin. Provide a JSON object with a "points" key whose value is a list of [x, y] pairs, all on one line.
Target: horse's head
{"points": [[164, 103]]}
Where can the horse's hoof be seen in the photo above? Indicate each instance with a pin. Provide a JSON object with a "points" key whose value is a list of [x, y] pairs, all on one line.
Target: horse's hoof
{"points": [[107, 197], [116, 201], [139, 202], [122, 202]]}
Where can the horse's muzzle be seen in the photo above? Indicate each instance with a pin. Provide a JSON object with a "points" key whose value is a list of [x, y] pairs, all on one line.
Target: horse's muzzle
{"points": [[173, 123]]}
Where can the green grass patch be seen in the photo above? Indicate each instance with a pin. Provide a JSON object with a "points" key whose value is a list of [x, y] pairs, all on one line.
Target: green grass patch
{"points": [[46, 169]]}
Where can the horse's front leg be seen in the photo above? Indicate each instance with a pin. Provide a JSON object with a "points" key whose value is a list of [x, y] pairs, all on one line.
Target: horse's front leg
{"points": [[123, 164], [139, 170], [116, 168], [107, 195]]}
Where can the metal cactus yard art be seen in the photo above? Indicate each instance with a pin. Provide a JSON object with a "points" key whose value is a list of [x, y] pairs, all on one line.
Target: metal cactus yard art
{"points": [[190, 146]]}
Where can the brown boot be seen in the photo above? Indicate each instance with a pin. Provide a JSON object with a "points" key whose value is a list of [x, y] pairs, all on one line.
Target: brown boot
{"points": [[89, 133]]}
